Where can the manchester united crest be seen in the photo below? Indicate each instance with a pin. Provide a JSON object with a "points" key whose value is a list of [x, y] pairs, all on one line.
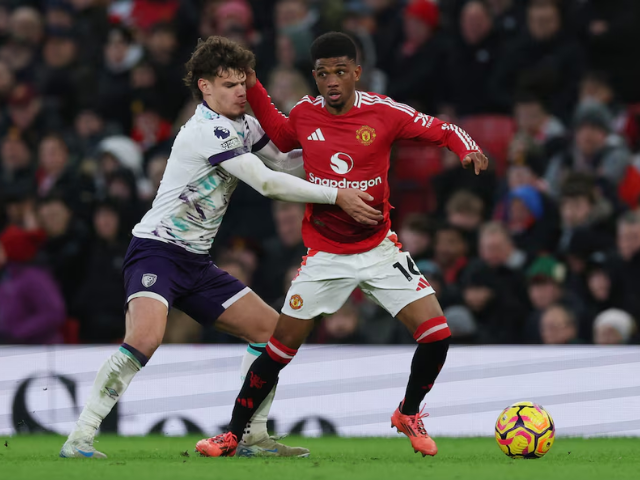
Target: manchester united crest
{"points": [[366, 135], [296, 302]]}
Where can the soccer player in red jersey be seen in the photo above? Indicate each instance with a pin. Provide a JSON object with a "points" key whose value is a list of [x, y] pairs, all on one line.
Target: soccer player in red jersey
{"points": [[346, 137]]}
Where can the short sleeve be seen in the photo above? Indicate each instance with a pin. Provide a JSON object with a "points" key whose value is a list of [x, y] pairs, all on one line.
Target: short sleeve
{"points": [[258, 139], [219, 141]]}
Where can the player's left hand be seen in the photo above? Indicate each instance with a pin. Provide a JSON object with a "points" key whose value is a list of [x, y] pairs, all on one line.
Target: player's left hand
{"points": [[477, 160]]}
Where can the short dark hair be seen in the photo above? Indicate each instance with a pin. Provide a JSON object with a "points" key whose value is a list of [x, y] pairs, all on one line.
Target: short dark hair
{"points": [[332, 45], [577, 185], [214, 56], [526, 96]]}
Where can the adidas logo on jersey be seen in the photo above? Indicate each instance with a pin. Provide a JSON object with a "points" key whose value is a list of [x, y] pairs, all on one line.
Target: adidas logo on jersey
{"points": [[317, 135]]}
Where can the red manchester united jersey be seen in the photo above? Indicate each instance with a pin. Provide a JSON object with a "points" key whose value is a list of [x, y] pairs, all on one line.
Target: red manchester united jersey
{"points": [[350, 151]]}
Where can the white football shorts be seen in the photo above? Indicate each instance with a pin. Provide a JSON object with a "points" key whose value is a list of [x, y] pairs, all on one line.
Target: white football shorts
{"points": [[385, 274]]}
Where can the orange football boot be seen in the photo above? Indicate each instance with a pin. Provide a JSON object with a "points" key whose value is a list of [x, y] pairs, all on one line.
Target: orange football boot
{"points": [[412, 427], [223, 445]]}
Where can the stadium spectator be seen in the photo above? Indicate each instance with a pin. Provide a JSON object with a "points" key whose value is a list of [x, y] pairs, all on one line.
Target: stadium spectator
{"points": [[66, 246], [27, 115], [558, 326], [450, 252], [416, 74], [63, 82], [115, 153], [121, 54], [7, 81], [592, 151], [472, 59], [89, 129], [545, 278], [628, 261], [286, 87], [298, 22], [16, 165], [341, 327], [166, 60], [57, 176], [32, 310], [596, 87], [26, 25], [416, 236], [538, 125], [534, 229], [601, 292], [609, 31], [582, 208], [372, 79], [98, 302], [498, 253], [613, 327], [545, 60], [508, 17], [498, 317], [465, 210]]}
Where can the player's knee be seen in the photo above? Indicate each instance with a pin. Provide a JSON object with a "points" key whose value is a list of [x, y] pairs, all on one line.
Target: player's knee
{"points": [[261, 332], [146, 346], [433, 330]]}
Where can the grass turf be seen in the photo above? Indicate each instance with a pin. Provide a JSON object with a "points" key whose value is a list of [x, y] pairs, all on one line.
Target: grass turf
{"points": [[158, 458]]}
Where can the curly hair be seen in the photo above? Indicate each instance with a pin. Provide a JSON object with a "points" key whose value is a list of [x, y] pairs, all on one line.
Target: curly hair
{"points": [[214, 56]]}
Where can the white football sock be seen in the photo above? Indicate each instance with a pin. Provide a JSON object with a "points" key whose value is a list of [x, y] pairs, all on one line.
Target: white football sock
{"points": [[111, 382], [258, 423]]}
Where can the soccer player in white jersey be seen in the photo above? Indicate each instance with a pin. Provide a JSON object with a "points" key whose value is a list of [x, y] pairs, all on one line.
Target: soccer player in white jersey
{"points": [[168, 264]]}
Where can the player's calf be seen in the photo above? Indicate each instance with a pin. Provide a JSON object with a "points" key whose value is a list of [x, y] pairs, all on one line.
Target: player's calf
{"points": [[433, 337], [260, 380]]}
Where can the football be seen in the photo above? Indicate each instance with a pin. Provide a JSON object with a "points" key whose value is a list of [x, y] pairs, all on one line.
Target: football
{"points": [[525, 430]]}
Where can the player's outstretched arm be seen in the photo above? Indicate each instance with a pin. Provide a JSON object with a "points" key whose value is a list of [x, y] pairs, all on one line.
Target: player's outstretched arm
{"points": [[434, 131], [278, 126], [290, 162], [280, 186]]}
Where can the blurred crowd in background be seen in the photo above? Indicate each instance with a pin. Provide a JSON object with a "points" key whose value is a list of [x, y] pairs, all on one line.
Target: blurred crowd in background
{"points": [[543, 248]]}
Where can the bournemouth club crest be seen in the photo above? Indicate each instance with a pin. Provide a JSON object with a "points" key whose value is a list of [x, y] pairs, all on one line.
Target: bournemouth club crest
{"points": [[296, 302], [148, 279], [366, 135]]}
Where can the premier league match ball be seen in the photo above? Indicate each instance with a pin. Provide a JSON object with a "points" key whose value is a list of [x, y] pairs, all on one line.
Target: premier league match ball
{"points": [[525, 430]]}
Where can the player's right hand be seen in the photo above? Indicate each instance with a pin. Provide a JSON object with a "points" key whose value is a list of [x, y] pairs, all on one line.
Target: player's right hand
{"points": [[251, 79], [352, 201]]}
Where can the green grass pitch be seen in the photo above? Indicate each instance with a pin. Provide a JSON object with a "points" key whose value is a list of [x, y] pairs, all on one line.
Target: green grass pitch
{"points": [[158, 458]]}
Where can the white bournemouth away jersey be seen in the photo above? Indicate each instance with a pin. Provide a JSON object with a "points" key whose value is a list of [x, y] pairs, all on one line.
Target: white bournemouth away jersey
{"points": [[194, 192]]}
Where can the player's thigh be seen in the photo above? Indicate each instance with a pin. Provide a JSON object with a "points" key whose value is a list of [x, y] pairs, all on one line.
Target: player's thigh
{"points": [[292, 332], [150, 286], [322, 286], [394, 282], [249, 318], [146, 321], [213, 294]]}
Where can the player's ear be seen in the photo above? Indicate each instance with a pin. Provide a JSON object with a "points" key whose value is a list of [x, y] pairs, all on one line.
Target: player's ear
{"points": [[358, 72], [204, 85]]}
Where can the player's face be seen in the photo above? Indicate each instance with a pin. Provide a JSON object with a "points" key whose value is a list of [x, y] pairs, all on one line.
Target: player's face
{"points": [[336, 80], [226, 94]]}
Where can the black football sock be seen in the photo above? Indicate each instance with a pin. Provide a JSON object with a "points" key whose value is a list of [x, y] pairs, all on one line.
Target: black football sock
{"points": [[260, 380], [427, 362]]}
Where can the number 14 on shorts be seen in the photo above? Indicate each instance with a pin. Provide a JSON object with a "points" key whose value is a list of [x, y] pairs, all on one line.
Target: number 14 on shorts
{"points": [[411, 267]]}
